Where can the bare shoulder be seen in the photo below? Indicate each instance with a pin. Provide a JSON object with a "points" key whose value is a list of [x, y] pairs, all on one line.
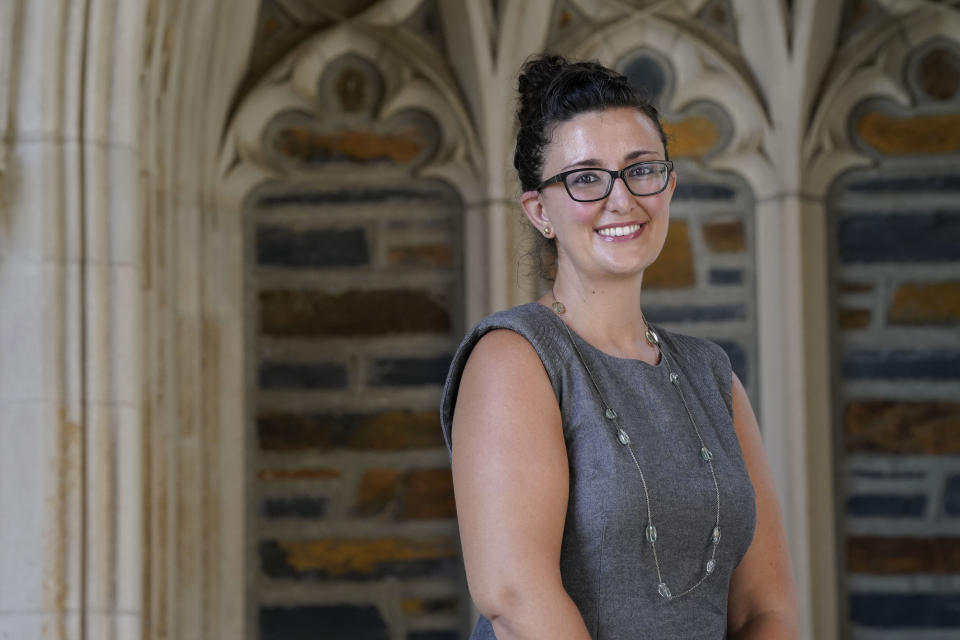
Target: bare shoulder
{"points": [[501, 349], [504, 382], [510, 475]]}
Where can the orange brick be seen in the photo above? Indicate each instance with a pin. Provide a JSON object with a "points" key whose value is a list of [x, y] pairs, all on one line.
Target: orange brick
{"points": [[674, 267], [297, 474], [692, 137], [415, 495], [853, 318], [351, 313], [343, 557], [725, 236], [903, 555], [848, 286], [429, 494], [895, 135], [431, 255], [385, 431], [380, 489], [925, 303], [887, 426], [305, 145], [424, 606]]}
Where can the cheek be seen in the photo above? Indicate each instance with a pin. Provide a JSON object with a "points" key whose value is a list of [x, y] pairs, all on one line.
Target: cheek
{"points": [[583, 214]]}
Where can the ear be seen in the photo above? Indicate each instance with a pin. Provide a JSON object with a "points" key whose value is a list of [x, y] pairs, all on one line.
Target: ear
{"points": [[672, 184], [533, 209]]}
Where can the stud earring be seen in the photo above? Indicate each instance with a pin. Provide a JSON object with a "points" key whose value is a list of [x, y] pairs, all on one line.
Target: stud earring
{"points": [[547, 231]]}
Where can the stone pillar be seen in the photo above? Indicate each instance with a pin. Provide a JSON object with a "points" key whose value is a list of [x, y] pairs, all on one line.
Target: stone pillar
{"points": [[70, 420]]}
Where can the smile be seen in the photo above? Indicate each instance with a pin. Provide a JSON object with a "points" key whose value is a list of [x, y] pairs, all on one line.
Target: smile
{"points": [[620, 230]]}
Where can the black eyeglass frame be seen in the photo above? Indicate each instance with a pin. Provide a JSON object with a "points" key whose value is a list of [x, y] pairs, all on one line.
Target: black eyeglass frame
{"points": [[614, 174]]}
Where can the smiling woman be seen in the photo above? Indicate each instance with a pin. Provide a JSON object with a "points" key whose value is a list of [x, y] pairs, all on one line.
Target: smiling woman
{"points": [[609, 475]]}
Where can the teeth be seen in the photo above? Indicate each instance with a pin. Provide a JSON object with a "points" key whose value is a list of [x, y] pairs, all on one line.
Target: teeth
{"points": [[619, 231]]}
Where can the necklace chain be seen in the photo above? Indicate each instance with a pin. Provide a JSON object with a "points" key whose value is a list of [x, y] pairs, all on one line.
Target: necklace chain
{"points": [[705, 454]]}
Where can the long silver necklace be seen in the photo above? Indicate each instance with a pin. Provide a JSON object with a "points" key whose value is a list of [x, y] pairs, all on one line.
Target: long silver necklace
{"points": [[624, 438]]}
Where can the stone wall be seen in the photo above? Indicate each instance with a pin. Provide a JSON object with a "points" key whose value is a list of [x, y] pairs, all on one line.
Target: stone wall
{"points": [[703, 283], [355, 305], [895, 227]]}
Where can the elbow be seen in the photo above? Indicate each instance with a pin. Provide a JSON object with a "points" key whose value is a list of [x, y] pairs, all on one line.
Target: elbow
{"points": [[782, 624], [501, 602]]}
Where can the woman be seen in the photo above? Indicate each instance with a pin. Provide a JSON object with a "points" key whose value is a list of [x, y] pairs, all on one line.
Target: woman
{"points": [[610, 478]]}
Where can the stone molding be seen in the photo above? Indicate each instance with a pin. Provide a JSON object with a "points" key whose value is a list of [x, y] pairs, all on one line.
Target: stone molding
{"points": [[193, 60]]}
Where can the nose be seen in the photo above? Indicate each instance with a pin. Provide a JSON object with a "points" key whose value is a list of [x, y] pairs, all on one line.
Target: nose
{"points": [[620, 198]]}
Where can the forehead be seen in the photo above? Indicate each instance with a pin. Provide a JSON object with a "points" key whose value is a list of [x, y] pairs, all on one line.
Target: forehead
{"points": [[607, 135]]}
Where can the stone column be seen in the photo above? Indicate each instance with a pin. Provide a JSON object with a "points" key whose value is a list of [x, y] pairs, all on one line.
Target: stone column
{"points": [[70, 423]]}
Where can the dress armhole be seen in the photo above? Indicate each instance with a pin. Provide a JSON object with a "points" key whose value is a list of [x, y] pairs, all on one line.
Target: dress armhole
{"points": [[451, 386]]}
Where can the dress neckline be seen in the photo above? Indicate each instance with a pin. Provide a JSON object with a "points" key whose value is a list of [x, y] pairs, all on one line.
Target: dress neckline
{"points": [[602, 353]]}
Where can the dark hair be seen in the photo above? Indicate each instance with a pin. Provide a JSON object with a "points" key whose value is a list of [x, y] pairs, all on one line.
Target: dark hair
{"points": [[553, 90]]}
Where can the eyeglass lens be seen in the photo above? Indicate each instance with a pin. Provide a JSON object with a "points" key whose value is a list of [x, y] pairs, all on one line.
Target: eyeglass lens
{"points": [[642, 179]]}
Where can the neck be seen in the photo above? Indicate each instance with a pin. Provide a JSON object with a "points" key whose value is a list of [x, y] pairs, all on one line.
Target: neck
{"points": [[606, 314]]}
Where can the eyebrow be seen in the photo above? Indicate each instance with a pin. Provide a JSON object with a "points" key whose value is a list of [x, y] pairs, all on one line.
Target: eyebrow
{"points": [[594, 162]]}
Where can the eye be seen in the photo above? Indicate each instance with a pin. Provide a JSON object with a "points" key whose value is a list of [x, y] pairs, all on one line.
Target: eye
{"points": [[584, 178], [643, 170]]}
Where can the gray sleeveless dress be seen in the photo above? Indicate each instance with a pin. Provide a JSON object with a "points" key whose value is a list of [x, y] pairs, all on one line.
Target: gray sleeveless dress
{"points": [[606, 563]]}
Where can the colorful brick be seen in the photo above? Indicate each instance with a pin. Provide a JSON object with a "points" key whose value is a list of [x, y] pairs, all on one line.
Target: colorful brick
{"points": [[413, 495], [910, 135], [385, 431], [914, 610], [309, 147], [369, 195], [292, 313], [302, 507], [919, 303], [723, 277], [408, 372], [427, 255], [853, 318], [692, 137], [887, 505], [358, 559], [313, 375], [316, 248], [920, 364], [725, 236], [674, 267], [337, 622], [904, 427]]}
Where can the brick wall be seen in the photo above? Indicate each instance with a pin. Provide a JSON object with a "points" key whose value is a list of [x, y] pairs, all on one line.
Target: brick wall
{"points": [[704, 282], [354, 292], [895, 229]]}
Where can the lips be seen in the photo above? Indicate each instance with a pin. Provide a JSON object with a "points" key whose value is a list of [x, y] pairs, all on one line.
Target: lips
{"points": [[620, 230]]}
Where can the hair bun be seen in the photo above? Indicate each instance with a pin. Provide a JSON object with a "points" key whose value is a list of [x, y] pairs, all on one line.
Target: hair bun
{"points": [[536, 76]]}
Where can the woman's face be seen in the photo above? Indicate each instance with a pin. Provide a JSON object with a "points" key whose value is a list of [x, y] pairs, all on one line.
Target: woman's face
{"points": [[622, 234]]}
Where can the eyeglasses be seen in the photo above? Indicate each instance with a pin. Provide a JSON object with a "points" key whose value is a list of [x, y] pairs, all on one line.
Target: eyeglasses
{"points": [[589, 185]]}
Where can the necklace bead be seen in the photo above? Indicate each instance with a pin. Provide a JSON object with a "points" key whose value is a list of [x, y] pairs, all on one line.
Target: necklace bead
{"points": [[664, 591], [610, 414], [715, 537], [623, 437], [711, 565], [674, 378], [651, 533], [706, 454]]}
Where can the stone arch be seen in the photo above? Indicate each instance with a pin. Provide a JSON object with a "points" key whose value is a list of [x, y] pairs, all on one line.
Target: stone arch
{"points": [[881, 152], [351, 164]]}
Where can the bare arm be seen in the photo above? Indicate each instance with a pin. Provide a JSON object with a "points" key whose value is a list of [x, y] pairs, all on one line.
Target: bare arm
{"points": [[511, 481], [763, 600]]}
